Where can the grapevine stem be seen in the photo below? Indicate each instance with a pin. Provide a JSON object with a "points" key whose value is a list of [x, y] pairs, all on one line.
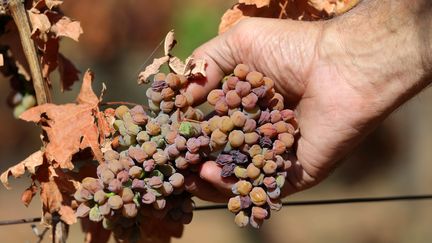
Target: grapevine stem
{"points": [[19, 15]]}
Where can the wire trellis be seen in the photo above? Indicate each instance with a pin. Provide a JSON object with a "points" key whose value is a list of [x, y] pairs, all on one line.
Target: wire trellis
{"points": [[289, 203]]}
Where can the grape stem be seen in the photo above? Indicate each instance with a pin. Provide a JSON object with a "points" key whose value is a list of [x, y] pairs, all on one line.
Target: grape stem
{"points": [[18, 12]]}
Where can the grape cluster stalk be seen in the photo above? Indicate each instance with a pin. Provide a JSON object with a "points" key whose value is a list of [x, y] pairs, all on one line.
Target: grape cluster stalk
{"points": [[251, 138]]}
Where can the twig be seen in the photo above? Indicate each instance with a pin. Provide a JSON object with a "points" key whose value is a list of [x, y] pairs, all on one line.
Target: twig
{"points": [[293, 203], [19, 15], [121, 103], [19, 221]]}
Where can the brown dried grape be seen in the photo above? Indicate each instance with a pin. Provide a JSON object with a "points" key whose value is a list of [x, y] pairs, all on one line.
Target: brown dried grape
{"points": [[253, 113], [205, 128], [167, 106], [149, 148], [142, 137], [156, 97], [148, 198], [274, 193], [252, 171], [259, 213], [255, 78], [281, 126], [82, 211], [135, 172], [172, 151], [204, 141], [269, 182], [218, 138], [138, 115], [275, 116], [243, 187], [268, 155], [176, 180], [226, 125], [129, 210], [264, 118], [111, 155], [167, 188], [251, 138], [160, 157], [149, 165], [287, 139], [243, 88], [274, 204], [159, 77], [240, 172], [192, 158], [250, 126], [241, 219], [120, 111], [279, 147], [221, 107], [214, 122], [181, 163], [236, 138], [225, 88], [115, 202], [232, 99], [270, 167], [214, 96], [241, 71], [231, 82], [106, 176], [254, 150], [268, 130], [234, 204], [258, 196], [159, 204], [154, 106], [268, 82], [153, 128], [258, 160], [167, 94], [249, 101], [135, 153], [127, 195], [180, 101], [277, 103], [173, 81], [91, 184], [115, 185], [171, 136], [287, 114], [155, 182], [100, 197], [238, 118], [193, 145]]}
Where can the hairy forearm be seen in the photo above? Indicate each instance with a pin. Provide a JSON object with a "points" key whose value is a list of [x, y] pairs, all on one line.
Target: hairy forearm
{"points": [[389, 43]]}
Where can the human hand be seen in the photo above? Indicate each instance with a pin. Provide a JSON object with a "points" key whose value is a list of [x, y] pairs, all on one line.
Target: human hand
{"points": [[342, 76]]}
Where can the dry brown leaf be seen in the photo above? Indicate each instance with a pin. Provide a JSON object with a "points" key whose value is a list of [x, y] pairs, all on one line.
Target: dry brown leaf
{"points": [[30, 163], [39, 22], [284, 9], [177, 65], [197, 68], [169, 42], [68, 72], [257, 3], [71, 127], [67, 214], [68, 28], [41, 4], [28, 194], [152, 69]]}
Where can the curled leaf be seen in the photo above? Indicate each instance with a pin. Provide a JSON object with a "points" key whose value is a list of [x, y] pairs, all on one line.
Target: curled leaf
{"points": [[152, 69], [33, 161]]}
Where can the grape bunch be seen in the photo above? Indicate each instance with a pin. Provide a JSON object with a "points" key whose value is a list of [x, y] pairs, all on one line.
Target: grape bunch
{"points": [[255, 136], [250, 137], [143, 172]]}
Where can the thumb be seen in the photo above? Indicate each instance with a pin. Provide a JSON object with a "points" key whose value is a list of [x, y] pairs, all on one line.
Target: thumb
{"points": [[272, 46]]}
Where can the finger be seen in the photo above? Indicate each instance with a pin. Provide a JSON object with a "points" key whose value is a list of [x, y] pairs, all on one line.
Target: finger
{"points": [[203, 190], [211, 172], [220, 61]]}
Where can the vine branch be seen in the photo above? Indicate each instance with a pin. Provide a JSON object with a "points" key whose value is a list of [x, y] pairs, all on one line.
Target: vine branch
{"points": [[18, 12]]}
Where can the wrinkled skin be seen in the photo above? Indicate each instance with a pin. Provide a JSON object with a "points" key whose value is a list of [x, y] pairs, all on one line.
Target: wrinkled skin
{"points": [[342, 76]]}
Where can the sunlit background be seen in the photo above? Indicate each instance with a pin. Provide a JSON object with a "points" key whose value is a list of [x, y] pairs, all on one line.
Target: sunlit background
{"points": [[119, 37]]}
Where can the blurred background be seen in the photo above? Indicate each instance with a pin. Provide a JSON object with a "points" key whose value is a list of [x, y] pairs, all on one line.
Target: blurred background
{"points": [[120, 35]]}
